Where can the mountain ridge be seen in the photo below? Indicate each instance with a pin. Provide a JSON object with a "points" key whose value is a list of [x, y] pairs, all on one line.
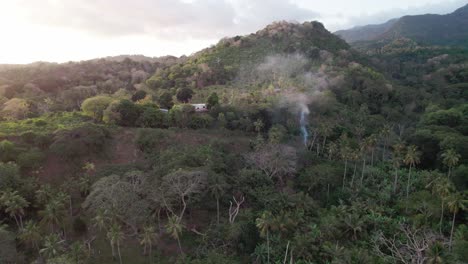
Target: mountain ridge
{"points": [[430, 29]]}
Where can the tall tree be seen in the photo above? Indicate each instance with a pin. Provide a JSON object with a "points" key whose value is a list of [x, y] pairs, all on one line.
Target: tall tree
{"points": [[441, 187], [30, 234], [53, 246], [450, 158], [115, 236], [396, 160], [217, 186], [147, 239], [14, 205], [455, 203], [264, 224], [174, 228], [411, 159]]}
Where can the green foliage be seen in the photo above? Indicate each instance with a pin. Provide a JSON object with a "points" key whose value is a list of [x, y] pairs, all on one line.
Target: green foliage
{"points": [[31, 159], [10, 175], [95, 106], [80, 142], [128, 113], [212, 100], [152, 117], [184, 95], [8, 151], [165, 100], [150, 140]]}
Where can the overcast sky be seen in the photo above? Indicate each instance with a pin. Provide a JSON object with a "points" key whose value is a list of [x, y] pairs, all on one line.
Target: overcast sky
{"points": [[64, 30]]}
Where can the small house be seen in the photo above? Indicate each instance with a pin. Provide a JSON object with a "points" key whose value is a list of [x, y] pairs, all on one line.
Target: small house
{"points": [[200, 107]]}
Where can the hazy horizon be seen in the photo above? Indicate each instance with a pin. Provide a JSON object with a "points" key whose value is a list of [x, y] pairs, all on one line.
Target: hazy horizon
{"points": [[75, 31]]}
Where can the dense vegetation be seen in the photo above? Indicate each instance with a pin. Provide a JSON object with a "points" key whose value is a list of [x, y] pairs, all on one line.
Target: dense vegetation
{"points": [[310, 152], [426, 29]]}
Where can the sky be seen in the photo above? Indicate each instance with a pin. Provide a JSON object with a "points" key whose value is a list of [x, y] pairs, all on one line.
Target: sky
{"points": [[73, 30]]}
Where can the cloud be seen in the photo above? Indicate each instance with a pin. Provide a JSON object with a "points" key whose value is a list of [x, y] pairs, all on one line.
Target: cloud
{"points": [[173, 19]]}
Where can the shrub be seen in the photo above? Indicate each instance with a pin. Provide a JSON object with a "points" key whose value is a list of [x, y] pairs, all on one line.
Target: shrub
{"points": [[8, 151], [150, 139], [129, 113], [9, 175], [30, 159], [152, 117], [82, 141], [95, 106], [200, 121]]}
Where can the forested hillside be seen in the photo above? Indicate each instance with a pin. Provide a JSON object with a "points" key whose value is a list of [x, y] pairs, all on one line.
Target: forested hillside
{"points": [[310, 151], [428, 29]]}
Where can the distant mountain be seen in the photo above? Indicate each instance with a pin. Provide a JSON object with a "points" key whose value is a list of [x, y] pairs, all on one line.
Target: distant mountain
{"points": [[365, 33], [450, 29]]}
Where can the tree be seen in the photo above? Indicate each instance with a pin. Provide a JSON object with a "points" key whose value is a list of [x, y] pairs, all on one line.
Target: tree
{"points": [[184, 95], [138, 95], [147, 239], [53, 246], [174, 228], [30, 234], [180, 187], [411, 159], [217, 186], [165, 100], [455, 203], [53, 213], [14, 205], [129, 113], [275, 160], [16, 108], [442, 187], [396, 160], [212, 100], [151, 117], [95, 106], [115, 236], [385, 135], [450, 158], [264, 224]]}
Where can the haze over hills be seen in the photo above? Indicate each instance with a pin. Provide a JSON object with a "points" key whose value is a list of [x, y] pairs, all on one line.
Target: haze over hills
{"points": [[429, 29]]}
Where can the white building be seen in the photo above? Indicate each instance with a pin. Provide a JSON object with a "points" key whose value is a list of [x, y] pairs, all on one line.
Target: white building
{"points": [[200, 107]]}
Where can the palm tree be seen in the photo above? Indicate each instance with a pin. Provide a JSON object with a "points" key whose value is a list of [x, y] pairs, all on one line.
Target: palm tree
{"points": [[53, 213], [450, 158], [345, 155], [264, 224], [30, 234], [455, 203], [217, 188], [77, 252], [411, 159], [435, 253], [14, 206], [385, 135], [396, 160], [354, 157], [332, 149], [442, 187], [147, 238], [53, 246], [115, 236], [174, 228], [100, 220], [371, 143], [44, 194], [325, 128]]}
